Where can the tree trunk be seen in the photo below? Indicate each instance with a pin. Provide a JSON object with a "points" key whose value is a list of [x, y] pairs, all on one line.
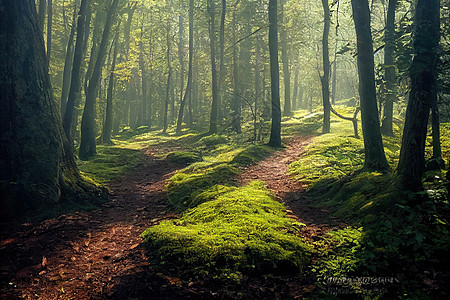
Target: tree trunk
{"points": [[68, 63], [295, 93], [87, 144], [169, 78], [235, 102], [49, 29], [37, 167], [107, 126], [285, 60], [325, 79], [74, 90], [423, 73], [257, 88], [222, 61], [145, 102], [375, 158], [212, 37], [389, 70], [275, 131], [42, 12], [189, 81]]}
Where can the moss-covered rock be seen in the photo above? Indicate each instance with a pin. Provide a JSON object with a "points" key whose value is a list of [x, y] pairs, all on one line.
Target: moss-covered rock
{"points": [[251, 155]]}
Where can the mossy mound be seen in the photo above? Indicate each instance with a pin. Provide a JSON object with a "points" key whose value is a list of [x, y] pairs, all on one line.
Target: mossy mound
{"points": [[184, 158], [329, 157], [111, 162], [251, 155], [211, 141], [244, 230], [184, 187]]}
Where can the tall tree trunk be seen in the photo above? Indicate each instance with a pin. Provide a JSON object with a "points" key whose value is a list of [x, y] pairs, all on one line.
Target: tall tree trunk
{"points": [[187, 93], [144, 119], [75, 84], [235, 102], [212, 37], [423, 73], [334, 77], [325, 78], [68, 63], [87, 144], [375, 158], [36, 161], [42, 12], [285, 60], [257, 88], [275, 131], [107, 126], [222, 62], [169, 79], [49, 29], [389, 70], [295, 93]]}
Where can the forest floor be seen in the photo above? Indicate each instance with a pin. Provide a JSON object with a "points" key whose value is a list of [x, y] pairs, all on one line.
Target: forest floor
{"points": [[99, 254]]}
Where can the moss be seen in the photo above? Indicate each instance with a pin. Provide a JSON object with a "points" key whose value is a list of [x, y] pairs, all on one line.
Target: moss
{"points": [[182, 157], [243, 230], [111, 162], [251, 155], [212, 141], [184, 187]]}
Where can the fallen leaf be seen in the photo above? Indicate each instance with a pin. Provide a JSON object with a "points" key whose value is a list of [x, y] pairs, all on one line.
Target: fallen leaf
{"points": [[44, 261], [134, 246]]}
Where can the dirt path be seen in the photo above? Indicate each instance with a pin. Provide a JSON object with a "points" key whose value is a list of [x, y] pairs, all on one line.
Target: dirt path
{"points": [[90, 255], [99, 255]]}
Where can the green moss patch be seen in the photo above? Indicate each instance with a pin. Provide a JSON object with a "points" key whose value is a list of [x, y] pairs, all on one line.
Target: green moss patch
{"points": [[251, 155], [243, 230], [184, 187], [111, 162], [184, 158]]}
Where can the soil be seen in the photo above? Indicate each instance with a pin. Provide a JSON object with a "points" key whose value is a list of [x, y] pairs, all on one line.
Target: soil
{"points": [[99, 254]]}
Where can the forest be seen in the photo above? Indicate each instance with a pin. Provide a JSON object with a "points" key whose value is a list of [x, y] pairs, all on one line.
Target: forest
{"points": [[240, 149]]}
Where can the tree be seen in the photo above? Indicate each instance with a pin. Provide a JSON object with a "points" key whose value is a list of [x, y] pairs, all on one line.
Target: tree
{"points": [[423, 74], [87, 144], [389, 70], [285, 61], [325, 79], [375, 158], [169, 77], [275, 131], [75, 77], [49, 29], [235, 102], [191, 54], [212, 37], [37, 167]]}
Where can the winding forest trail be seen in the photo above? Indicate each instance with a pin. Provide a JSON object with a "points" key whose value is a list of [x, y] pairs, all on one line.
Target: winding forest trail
{"points": [[99, 255]]}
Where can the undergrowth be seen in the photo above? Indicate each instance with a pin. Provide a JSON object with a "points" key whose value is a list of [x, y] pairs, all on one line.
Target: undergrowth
{"points": [[240, 231], [401, 236]]}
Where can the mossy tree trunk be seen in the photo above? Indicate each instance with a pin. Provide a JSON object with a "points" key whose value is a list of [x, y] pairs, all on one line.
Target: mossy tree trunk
{"points": [[275, 131], [423, 73], [213, 120], [37, 167], [375, 158]]}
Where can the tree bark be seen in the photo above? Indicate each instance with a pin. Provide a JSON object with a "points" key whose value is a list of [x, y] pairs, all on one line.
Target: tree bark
{"points": [[107, 126], [285, 59], [389, 70], [222, 61], [68, 63], [37, 166], [212, 37], [187, 93], [375, 158], [275, 131], [87, 144], [169, 79], [49, 29], [325, 78], [295, 93], [235, 102], [423, 74], [42, 12], [75, 78]]}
